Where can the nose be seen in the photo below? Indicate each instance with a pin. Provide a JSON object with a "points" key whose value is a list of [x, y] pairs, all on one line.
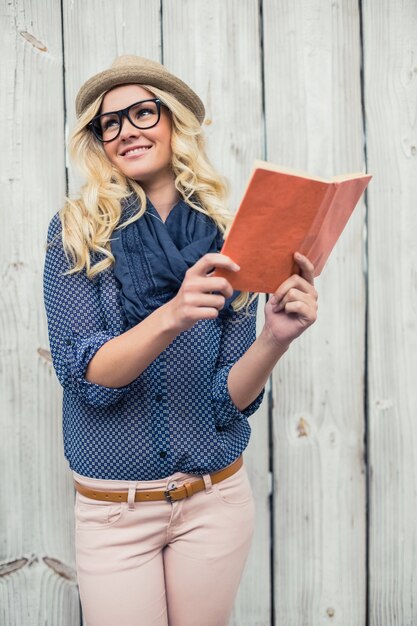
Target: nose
{"points": [[128, 130]]}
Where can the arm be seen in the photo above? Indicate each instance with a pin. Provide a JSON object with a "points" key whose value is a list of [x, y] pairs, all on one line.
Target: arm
{"points": [[123, 358], [76, 324], [288, 313], [89, 358], [238, 336], [99, 363]]}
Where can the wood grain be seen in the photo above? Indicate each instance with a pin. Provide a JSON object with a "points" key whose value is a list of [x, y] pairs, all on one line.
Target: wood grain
{"points": [[36, 499], [391, 107], [314, 123]]}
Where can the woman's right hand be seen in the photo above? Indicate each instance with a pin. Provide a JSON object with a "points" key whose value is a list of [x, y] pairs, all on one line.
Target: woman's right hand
{"points": [[195, 300], [122, 359]]}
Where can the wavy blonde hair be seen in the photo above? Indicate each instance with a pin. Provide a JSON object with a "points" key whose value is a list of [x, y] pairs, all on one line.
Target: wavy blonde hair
{"points": [[89, 221]]}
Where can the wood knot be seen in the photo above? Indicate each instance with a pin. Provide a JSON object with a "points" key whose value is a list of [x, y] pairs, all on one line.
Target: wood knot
{"points": [[302, 427], [32, 40]]}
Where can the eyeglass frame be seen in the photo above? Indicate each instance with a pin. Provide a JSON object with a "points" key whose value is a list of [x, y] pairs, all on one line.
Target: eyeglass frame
{"points": [[121, 113]]}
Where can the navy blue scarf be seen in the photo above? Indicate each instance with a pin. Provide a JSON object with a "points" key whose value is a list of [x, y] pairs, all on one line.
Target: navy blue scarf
{"points": [[151, 257]]}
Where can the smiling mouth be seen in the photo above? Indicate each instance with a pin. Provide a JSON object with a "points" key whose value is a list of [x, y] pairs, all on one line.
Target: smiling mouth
{"points": [[139, 150]]}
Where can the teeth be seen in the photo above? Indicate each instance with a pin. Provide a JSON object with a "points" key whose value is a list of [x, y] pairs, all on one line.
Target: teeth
{"points": [[136, 150]]}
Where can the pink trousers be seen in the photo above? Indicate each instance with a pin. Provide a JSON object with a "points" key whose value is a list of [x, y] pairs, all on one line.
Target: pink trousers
{"points": [[159, 564]]}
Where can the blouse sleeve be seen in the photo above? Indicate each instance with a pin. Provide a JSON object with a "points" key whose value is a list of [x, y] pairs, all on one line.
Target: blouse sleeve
{"points": [[76, 324], [238, 334]]}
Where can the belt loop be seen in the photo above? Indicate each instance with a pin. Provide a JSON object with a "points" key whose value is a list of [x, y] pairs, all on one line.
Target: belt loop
{"points": [[131, 495], [207, 483]]}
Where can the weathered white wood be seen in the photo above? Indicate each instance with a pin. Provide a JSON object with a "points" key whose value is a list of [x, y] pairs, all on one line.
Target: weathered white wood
{"points": [[313, 122], [390, 36], [313, 117], [95, 33], [214, 46], [36, 500], [218, 54]]}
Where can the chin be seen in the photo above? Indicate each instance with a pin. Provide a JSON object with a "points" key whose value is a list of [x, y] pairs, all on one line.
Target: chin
{"points": [[136, 174]]}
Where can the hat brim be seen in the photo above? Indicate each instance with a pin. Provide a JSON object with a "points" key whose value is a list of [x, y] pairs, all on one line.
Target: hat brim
{"points": [[159, 78]]}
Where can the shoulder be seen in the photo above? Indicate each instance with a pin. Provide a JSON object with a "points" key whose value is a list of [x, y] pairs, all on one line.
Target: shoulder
{"points": [[54, 244], [54, 229]]}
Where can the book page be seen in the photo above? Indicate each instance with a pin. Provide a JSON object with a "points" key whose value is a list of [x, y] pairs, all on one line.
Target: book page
{"points": [[324, 235], [294, 172]]}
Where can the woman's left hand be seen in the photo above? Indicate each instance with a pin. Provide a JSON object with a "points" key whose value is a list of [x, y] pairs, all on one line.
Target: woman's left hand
{"points": [[293, 306]]}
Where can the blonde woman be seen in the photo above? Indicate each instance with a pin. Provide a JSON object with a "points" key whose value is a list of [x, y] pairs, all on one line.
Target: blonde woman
{"points": [[157, 356]]}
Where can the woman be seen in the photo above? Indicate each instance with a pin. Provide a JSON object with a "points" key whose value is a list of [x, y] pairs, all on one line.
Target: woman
{"points": [[157, 356]]}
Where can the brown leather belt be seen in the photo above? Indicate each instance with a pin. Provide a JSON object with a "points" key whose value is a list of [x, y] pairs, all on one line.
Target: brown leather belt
{"points": [[171, 495]]}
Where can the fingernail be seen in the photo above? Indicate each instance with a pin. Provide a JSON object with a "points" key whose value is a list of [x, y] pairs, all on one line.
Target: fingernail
{"points": [[273, 300]]}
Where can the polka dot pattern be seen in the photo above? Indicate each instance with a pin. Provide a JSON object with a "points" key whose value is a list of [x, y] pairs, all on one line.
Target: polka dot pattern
{"points": [[177, 416]]}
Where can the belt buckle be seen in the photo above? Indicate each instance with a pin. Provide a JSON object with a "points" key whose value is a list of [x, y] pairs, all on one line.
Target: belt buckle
{"points": [[168, 496]]}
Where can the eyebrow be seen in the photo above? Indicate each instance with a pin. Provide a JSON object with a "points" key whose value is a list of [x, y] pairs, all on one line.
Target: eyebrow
{"points": [[128, 106]]}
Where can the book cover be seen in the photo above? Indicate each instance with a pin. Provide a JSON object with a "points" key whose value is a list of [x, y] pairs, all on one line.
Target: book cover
{"points": [[284, 211]]}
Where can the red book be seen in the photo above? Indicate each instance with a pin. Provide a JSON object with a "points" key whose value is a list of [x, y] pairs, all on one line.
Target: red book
{"points": [[284, 211]]}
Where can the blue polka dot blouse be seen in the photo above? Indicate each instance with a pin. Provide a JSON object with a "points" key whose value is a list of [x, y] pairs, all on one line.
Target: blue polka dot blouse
{"points": [[176, 416]]}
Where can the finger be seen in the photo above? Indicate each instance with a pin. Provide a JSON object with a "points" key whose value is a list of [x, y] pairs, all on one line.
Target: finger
{"points": [[294, 282], [208, 284], [207, 313], [294, 295], [302, 310], [306, 267], [213, 260], [201, 300]]}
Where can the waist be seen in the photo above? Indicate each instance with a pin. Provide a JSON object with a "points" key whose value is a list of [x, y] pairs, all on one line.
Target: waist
{"points": [[175, 487]]}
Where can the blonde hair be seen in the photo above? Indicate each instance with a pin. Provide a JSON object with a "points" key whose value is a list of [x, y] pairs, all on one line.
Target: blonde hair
{"points": [[89, 221]]}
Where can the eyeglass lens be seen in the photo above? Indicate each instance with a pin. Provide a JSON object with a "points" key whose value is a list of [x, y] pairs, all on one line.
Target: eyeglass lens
{"points": [[142, 115]]}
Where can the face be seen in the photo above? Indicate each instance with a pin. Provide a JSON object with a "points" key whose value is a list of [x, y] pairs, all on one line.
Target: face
{"points": [[144, 155]]}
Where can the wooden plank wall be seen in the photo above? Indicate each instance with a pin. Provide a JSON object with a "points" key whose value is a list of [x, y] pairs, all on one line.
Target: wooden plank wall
{"points": [[37, 579], [391, 128], [314, 122], [326, 86]]}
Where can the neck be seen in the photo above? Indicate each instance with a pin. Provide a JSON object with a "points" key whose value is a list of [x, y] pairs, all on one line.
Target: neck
{"points": [[163, 196]]}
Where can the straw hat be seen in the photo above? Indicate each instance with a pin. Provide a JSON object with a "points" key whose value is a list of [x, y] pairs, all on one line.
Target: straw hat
{"points": [[129, 69]]}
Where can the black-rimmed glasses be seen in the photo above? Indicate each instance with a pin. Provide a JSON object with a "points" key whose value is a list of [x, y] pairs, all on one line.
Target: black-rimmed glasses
{"points": [[143, 114]]}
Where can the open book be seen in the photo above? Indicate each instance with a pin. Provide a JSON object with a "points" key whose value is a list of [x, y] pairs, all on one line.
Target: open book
{"points": [[284, 211]]}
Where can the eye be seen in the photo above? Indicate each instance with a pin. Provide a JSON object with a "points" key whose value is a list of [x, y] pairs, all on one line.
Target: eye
{"points": [[108, 121], [144, 112]]}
